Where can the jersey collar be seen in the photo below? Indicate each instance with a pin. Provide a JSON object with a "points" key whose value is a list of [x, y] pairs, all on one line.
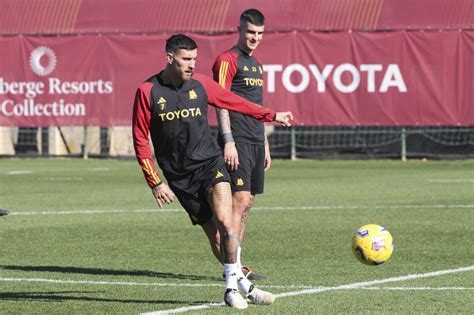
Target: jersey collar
{"points": [[240, 51]]}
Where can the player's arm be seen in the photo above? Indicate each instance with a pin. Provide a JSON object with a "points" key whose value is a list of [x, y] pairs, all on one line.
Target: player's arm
{"points": [[141, 144], [268, 158], [221, 98], [224, 70]]}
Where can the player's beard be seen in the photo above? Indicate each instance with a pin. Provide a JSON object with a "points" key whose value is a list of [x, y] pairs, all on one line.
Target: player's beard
{"points": [[183, 75], [187, 76]]}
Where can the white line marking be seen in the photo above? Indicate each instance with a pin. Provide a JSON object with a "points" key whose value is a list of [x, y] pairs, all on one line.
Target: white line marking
{"points": [[374, 282], [364, 207], [19, 172], [99, 169], [61, 281], [60, 179], [101, 211], [418, 288], [323, 289], [204, 285], [185, 309], [443, 181], [94, 211], [159, 284]]}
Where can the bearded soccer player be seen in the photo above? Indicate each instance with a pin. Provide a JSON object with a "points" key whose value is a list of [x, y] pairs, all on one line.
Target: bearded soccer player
{"points": [[242, 138], [171, 108]]}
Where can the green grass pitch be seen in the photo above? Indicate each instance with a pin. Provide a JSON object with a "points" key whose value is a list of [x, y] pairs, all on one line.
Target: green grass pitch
{"points": [[86, 237]]}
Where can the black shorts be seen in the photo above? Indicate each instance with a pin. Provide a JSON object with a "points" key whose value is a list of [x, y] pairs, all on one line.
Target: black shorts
{"points": [[250, 175], [192, 190]]}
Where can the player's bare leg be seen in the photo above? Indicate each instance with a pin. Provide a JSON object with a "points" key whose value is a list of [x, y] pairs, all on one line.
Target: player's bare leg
{"points": [[242, 202], [220, 199], [214, 237], [241, 205], [221, 202]]}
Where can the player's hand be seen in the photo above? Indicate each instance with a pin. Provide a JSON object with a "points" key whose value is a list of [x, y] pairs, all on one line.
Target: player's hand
{"points": [[231, 156], [268, 158], [284, 118], [163, 194]]}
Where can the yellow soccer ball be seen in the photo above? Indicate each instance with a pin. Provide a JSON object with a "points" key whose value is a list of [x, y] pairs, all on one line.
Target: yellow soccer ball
{"points": [[372, 244]]}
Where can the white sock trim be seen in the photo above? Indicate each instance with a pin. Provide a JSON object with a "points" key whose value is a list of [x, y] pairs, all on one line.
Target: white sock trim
{"points": [[243, 283], [231, 275]]}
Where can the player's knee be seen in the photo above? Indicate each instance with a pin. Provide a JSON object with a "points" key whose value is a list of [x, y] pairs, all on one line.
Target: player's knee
{"points": [[242, 202], [225, 224], [229, 226]]}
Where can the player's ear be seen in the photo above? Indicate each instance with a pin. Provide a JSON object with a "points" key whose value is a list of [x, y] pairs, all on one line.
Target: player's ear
{"points": [[169, 58]]}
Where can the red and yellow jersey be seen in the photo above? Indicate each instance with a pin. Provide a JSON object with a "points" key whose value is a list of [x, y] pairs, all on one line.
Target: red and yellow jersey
{"points": [[237, 71], [176, 121]]}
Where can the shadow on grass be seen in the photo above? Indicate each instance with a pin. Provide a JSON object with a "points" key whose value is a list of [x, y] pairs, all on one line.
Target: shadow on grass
{"points": [[61, 296], [109, 272]]}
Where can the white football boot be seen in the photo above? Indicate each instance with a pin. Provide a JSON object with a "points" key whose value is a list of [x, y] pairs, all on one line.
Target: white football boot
{"points": [[260, 297], [233, 299]]}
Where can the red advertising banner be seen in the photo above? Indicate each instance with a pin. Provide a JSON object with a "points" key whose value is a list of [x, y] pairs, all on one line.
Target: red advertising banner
{"points": [[334, 78], [218, 16]]}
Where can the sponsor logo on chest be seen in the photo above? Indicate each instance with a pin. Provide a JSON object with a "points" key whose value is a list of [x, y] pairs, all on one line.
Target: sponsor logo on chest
{"points": [[180, 114], [250, 79]]}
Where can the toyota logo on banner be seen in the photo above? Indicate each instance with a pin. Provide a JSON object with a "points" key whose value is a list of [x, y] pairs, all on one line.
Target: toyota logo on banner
{"points": [[42, 69]]}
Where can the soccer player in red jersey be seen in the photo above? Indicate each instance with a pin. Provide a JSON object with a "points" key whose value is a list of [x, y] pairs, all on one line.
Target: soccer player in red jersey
{"points": [[171, 107], [242, 138]]}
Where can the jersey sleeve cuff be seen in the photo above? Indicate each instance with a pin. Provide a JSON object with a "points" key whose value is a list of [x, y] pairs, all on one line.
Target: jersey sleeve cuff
{"points": [[157, 185]]}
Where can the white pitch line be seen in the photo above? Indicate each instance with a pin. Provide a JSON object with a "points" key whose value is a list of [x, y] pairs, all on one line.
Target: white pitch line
{"points": [[99, 169], [444, 181], [364, 207], [99, 211], [157, 284], [322, 289], [93, 211], [204, 285], [19, 172], [418, 288], [60, 179]]}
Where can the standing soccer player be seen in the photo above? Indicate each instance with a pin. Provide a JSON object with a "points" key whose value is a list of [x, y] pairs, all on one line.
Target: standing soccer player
{"points": [[171, 108], [242, 138]]}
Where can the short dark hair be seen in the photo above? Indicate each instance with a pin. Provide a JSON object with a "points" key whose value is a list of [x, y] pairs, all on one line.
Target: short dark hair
{"points": [[252, 16], [180, 41]]}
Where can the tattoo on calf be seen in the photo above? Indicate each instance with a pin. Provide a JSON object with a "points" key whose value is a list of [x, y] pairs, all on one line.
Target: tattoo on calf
{"points": [[244, 218], [229, 256], [243, 221]]}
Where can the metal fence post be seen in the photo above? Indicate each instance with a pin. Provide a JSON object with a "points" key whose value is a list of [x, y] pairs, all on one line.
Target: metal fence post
{"points": [[403, 141], [85, 153], [293, 143]]}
